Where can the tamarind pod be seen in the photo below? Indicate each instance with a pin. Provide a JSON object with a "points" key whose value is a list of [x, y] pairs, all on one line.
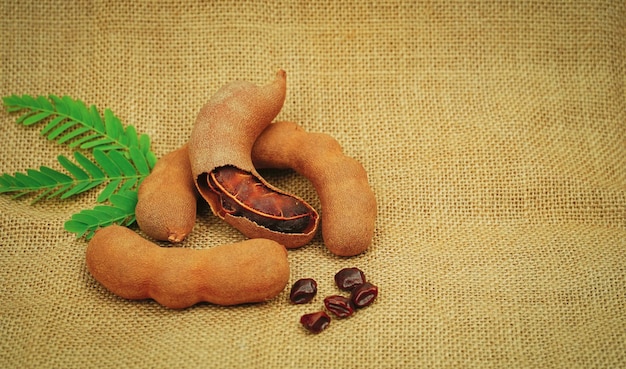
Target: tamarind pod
{"points": [[134, 268], [348, 203], [221, 139], [167, 198]]}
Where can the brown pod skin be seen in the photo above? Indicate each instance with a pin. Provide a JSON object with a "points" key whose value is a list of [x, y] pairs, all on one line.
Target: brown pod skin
{"points": [[167, 198], [134, 268], [348, 203], [222, 137]]}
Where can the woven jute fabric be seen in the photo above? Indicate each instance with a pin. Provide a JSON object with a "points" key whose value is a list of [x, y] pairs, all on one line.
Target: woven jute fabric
{"points": [[493, 134]]}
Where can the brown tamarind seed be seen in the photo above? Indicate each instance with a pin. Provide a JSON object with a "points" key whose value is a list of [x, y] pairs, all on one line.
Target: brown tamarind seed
{"points": [[364, 295], [303, 291], [349, 278], [315, 322], [243, 194], [339, 305]]}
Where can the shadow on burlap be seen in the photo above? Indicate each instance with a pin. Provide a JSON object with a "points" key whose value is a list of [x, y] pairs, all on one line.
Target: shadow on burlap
{"points": [[494, 137]]}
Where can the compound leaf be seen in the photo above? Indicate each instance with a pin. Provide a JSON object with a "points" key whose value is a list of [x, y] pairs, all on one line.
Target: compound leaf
{"points": [[72, 122]]}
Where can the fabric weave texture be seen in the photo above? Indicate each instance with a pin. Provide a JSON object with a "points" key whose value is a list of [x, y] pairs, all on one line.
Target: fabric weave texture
{"points": [[493, 134]]}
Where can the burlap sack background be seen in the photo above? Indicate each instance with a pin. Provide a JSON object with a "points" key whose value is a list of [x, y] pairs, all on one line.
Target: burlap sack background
{"points": [[494, 135]]}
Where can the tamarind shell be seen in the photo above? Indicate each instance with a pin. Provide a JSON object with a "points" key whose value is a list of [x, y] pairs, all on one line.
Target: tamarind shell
{"points": [[223, 135]]}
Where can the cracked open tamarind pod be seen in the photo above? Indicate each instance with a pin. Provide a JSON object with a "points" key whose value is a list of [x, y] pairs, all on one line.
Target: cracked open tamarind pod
{"points": [[167, 198], [348, 203], [134, 268], [220, 148]]}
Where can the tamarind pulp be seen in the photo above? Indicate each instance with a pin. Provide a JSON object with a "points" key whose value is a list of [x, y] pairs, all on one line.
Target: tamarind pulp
{"points": [[242, 194]]}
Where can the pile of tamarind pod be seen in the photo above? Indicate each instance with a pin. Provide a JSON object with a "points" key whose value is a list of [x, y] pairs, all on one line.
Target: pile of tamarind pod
{"points": [[233, 136]]}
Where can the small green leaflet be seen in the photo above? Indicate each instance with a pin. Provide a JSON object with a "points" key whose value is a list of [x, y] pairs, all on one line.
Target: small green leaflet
{"points": [[106, 154], [121, 211]]}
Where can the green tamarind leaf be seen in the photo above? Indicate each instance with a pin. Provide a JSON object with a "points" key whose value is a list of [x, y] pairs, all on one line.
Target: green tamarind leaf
{"points": [[70, 120], [58, 130], [121, 162], [44, 103], [72, 134], [96, 143], [112, 124], [76, 189], [110, 188], [86, 138], [27, 181], [72, 168], [84, 174], [131, 136], [125, 200], [41, 177], [139, 161], [36, 118], [77, 227], [96, 119], [51, 124], [57, 176], [91, 168], [42, 194], [122, 158], [85, 217], [106, 163]]}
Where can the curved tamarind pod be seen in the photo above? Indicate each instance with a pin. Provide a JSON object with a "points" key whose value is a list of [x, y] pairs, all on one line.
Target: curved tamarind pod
{"points": [[167, 198], [348, 203], [219, 151], [134, 268]]}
